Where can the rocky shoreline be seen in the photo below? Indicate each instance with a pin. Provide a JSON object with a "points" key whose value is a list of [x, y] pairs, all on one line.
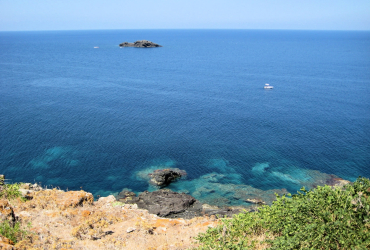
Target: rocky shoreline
{"points": [[74, 220], [163, 203]]}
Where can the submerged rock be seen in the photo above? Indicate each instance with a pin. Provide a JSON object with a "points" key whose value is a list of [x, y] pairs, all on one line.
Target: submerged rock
{"points": [[335, 181], [140, 44], [256, 201]]}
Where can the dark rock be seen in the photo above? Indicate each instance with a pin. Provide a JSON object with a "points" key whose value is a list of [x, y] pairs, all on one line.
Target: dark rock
{"points": [[169, 204], [140, 44], [163, 177], [125, 195]]}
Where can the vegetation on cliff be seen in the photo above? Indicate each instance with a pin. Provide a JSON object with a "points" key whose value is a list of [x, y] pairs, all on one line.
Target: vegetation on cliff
{"points": [[322, 218], [10, 191], [13, 230]]}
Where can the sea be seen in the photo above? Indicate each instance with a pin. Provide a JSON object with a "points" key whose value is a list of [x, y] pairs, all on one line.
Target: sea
{"points": [[79, 112]]}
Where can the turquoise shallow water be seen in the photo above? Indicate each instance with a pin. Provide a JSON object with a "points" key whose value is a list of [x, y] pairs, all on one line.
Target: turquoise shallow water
{"points": [[73, 116]]}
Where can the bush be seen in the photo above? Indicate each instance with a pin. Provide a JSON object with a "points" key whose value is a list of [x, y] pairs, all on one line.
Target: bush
{"points": [[10, 191], [323, 218], [14, 233]]}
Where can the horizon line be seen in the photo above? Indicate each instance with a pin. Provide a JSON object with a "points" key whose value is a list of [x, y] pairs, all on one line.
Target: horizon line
{"points": [[282, 29]]}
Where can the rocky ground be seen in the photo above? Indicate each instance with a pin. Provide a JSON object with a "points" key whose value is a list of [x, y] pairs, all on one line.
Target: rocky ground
{"points": [[73, 220]]}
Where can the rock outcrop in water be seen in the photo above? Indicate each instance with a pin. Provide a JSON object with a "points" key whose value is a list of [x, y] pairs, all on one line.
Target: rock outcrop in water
{"points": [[163, 177], [140, 44]]}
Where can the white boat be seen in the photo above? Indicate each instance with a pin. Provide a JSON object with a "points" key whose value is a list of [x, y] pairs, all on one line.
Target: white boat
{"points": [[268, 86], [96, 47]]}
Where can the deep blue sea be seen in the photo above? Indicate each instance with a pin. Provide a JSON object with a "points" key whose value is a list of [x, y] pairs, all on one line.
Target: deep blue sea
{"points": [[74, 116]]}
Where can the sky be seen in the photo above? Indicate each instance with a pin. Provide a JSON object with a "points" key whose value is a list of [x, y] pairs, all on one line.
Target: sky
{"points": [[19, 15]]}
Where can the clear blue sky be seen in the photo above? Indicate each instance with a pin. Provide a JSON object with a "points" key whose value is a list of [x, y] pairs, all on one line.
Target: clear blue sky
{"points": [[186, 14]]}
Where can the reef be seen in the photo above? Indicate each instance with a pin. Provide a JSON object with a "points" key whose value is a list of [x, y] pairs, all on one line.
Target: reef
{"points": [[226, 186], [140, 44]]}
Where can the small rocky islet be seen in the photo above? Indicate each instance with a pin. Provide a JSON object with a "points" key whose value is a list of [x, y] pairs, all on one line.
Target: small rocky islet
{"points": [[140, 44]]}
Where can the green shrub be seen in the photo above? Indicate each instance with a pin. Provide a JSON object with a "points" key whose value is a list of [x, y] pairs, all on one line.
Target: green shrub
{"points": [[10, 191], [15, 233], [237, 233], [323, 218]]}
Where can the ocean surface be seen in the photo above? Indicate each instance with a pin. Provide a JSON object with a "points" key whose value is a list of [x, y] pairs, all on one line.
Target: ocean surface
{"points": [[73, 116]]}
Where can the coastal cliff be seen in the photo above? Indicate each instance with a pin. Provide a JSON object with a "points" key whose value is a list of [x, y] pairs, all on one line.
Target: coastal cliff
{"points": [[55, 219], [32, 217]]}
